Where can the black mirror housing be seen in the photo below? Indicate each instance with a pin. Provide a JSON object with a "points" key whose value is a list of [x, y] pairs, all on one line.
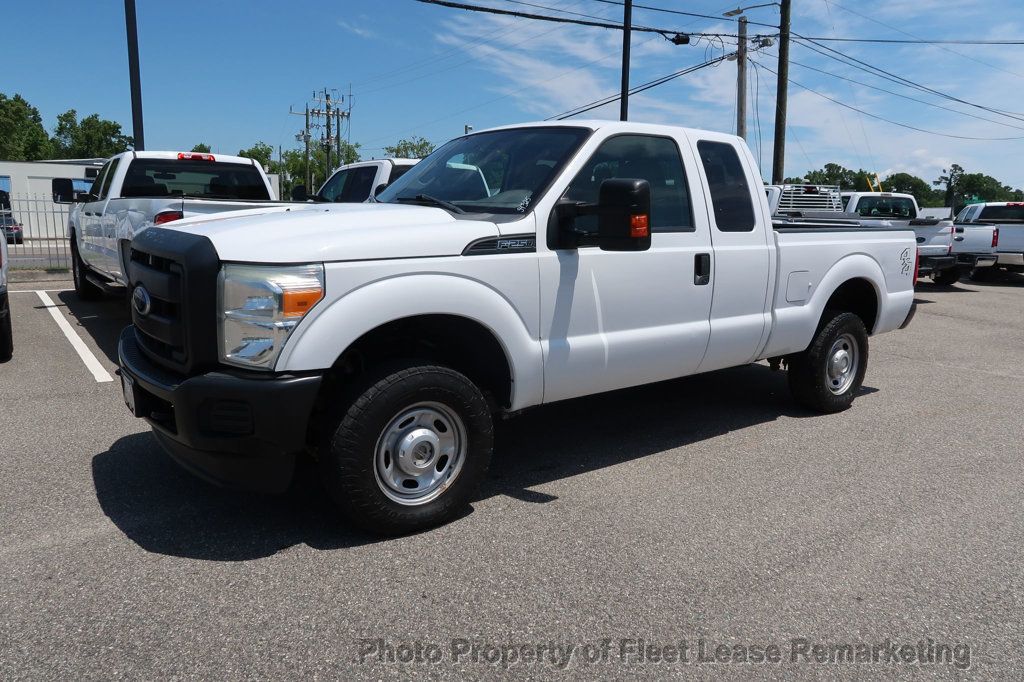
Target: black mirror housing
{"points": [[299, 193], [624, 215], [380, 188], [63, 190]]}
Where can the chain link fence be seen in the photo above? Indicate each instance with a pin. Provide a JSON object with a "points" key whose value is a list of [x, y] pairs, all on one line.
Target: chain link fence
{"points": [[42, 241]]}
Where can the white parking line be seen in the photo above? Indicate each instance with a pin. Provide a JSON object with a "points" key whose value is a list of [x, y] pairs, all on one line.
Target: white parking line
{"points": [[91, 363]]}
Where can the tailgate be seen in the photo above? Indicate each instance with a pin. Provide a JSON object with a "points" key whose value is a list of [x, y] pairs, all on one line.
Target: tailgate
{"points": [[934, 240], [193, 208], [1011, 237], [973, 239]]}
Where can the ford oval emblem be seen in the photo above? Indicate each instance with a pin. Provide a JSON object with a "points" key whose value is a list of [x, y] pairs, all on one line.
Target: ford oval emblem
{"points": [[141, 301]]}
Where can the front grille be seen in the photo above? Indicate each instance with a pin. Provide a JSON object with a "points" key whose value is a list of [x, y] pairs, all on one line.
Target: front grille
{"points": [[179, 273]]}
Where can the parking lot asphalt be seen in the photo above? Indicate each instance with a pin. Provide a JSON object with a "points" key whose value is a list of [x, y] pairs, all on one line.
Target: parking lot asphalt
{"points": [[710, 509]]}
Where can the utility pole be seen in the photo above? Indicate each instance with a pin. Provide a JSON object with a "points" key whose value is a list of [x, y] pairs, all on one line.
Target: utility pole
{"points": [[138, 134], [327, 145], [309, 171], [781, 94], [338, 115], [627, 27], [741, 80]]}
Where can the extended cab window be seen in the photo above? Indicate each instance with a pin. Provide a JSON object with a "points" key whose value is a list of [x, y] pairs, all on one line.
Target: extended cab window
{"points": [[654, 159], [1008, 213], [886, 207], [194, 178], [398, 171], [730, 194], [350, 186]]}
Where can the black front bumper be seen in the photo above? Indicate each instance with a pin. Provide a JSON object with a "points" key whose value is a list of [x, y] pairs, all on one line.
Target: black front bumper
{"points": [[236, 429]]}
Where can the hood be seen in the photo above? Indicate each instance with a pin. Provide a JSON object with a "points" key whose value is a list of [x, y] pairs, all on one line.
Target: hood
{"points": [[338, 232]]}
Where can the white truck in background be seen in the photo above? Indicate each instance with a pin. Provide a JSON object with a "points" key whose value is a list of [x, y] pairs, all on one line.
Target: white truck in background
{"points": [[357, 182], [136, 190], [1007, 219], [510, 268]]}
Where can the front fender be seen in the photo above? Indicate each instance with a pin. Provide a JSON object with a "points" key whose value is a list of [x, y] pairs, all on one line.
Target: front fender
{"points": [[330, 329]]}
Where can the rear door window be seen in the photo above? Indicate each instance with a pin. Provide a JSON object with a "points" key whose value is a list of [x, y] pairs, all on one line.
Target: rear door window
{"points": [[730, 193]]}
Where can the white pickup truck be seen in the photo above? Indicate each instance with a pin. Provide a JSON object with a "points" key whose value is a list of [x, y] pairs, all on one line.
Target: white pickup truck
{"points": [[935, 237], [136, 190], [383, 338], [356, 182], [1007, 219]]}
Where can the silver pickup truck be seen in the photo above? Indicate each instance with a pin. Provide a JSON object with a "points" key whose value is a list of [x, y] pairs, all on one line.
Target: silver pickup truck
{"points": [[136, 190]]}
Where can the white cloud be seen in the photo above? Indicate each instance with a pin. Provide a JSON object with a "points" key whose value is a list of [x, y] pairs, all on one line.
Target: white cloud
{"points": [[357, 30]]}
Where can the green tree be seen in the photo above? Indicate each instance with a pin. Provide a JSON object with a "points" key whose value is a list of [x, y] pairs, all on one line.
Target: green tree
{"points": [[22, 135], [260, 152], [202, 148], [948, 182], [414, 148], [907, 183], [92, 137]]}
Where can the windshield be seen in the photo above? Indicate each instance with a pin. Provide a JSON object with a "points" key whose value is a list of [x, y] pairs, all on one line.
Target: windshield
{"points": [[193, 178], [886, 207], [502, 171], [1014, 212]]}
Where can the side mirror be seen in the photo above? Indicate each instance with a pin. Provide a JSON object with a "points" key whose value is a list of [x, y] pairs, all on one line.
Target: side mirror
{"points": [[63, 190], [299, 193], [624, 215], [380, 188]]}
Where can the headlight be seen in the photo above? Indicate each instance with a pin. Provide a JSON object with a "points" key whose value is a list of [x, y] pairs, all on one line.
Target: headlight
{"points": [[260, 306]]}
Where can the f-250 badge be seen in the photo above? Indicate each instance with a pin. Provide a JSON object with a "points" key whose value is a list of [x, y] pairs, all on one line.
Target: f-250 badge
{"points": [[906, 262]]}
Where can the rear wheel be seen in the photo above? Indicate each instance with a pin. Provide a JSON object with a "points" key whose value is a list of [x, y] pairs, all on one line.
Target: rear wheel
{"points": [[410, 451], [983, 274], [6, 331], [86, 290], [826, 376], [947, 276]]}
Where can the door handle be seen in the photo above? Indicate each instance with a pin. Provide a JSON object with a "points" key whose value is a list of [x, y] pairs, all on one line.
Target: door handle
{"points": [[702, 269]]}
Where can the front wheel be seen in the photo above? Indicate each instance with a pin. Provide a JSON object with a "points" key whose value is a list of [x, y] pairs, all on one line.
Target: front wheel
{"points": [[826, 377], [410, 451], [6, 332], [947, 277], [86, 290]]}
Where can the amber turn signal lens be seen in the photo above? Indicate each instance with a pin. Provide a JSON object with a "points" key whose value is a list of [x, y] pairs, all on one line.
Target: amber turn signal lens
{"points": [[298, 302], [638, 226]]}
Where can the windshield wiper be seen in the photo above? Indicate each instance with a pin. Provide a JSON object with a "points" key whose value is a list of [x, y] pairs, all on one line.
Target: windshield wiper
{"points": [[427, 199]]}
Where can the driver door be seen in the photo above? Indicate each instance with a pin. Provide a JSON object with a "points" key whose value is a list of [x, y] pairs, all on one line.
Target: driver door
{"points": [[616, 319]]}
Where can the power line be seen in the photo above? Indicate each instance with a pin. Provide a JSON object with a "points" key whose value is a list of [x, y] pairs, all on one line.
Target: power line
{"points": [[899, 30], [882, 73], [665, 32], [583, 108], [922, 41], [890, 121], [665, 10], [901, 95]]}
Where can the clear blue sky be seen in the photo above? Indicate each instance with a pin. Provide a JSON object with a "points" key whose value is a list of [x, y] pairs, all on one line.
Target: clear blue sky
{"points": [[226, 73]]}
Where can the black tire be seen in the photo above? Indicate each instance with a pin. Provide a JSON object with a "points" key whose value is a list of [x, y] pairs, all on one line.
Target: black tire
{"points": [[6, 331], [947, 277], [86, 290], [354, 437], [984, 274], [809, 379]]}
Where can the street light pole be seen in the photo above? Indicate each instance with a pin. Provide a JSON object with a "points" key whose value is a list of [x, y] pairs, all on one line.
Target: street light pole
{"points": [[781, 96], [138, 135], [627, 26]]}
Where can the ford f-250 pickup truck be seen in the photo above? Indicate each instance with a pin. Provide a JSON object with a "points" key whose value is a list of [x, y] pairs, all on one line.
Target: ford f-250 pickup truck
{"points": [[383, 338], [136, 190], [1007, 219]]}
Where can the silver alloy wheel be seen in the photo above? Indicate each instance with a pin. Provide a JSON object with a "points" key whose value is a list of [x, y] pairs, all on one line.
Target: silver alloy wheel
{"points": [[420, 453], [842, 364]]}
